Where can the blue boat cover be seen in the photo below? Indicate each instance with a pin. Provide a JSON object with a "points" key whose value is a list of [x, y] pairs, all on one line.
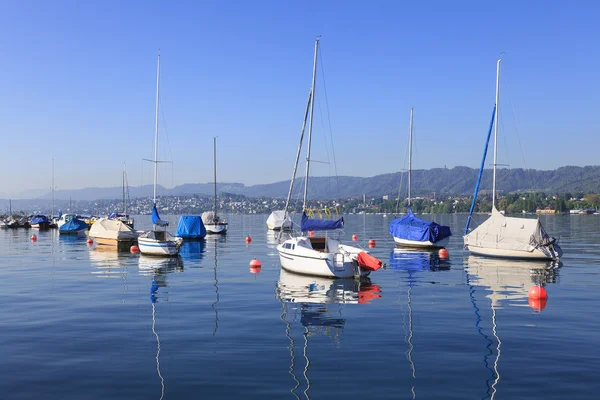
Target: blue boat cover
{"points": [[156, 218], [410, 227], [190, 227], [308, 224], [74, 225], [38, 219]]}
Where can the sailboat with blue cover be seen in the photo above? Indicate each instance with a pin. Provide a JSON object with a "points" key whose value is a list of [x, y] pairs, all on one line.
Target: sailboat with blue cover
{"points": [[158, 242], [324, 255], [411, 231]]}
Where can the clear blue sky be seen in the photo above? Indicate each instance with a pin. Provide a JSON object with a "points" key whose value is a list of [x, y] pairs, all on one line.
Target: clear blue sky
{"points": [[78, 84]]}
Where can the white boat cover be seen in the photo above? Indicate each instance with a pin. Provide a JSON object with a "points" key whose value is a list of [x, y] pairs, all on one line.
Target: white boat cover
{"points": [[276, 220], [508, 233], [210, 217], [112, 229]]}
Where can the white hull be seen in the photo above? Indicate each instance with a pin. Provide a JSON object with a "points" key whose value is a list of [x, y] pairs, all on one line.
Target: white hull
{"points": [[535, 254], [155, 247], [422, 244], [216, 228], [307, 261]]}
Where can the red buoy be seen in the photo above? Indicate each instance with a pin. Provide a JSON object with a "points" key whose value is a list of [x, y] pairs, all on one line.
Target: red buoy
{"points": [[371, 243], [33, 238], [537, 304], [90, 241], [311, 233], [537, 292], [134, 249], [354, 238], [255, 263], [248, 239], [443, 253]]}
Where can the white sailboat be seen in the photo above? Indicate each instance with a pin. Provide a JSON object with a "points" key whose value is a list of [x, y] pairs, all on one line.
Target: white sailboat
{"points": [[508, 237], [158, 242], [321, 256], [212, 222], [410, 231]]}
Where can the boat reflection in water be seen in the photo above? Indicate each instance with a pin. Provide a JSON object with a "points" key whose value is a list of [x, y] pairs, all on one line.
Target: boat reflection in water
{"points": [[413, 263], [193, 249], [108, 263], [316, 303], [507, 283]]}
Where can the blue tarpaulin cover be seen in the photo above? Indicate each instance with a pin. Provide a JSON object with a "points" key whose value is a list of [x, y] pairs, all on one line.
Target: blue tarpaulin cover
{"points": [[190, 227], [156, 218], [74, 225], [38, 219], [308, 224], [410, 227]]}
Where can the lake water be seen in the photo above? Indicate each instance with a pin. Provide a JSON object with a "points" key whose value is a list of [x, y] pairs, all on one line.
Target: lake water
{"points": [[79, 323]]}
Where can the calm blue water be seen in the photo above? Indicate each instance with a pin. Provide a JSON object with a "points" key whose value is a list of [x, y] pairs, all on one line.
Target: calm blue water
{"points": [[82, 323]]}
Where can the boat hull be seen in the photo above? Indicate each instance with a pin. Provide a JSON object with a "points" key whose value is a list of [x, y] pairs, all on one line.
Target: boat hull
{"points": [[154, 247], [297, 258], [216, 228], [535, 254], [80, 232], [119, 244], [421, 244]]}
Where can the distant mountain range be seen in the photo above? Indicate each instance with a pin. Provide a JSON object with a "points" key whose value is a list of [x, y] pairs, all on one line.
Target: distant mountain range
{"points": [[443, 181]]}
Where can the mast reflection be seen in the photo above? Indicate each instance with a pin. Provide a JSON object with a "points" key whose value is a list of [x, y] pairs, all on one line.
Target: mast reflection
{"points": [[316, 304]]}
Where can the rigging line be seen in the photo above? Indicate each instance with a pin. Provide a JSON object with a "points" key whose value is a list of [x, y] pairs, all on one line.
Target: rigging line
{"points": [[518, 133], [326, 146], [329, 119], [406, 150]]}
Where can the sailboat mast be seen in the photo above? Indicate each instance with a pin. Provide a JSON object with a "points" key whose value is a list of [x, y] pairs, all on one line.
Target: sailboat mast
{"points": [[215, 171], [496, 132], [310, 124], [52, 188], [410, 130], [289, 196], [156, 131], [124, 204]]}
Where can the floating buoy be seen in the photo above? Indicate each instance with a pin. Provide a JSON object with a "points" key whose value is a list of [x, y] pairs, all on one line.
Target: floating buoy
{"points": [[371, 243], [354, 238], [248, 239], [537, 304], [443, 253], [90, 241], [255, 263], [311, 233], [537, 292], [134, 249], [33, 238]]}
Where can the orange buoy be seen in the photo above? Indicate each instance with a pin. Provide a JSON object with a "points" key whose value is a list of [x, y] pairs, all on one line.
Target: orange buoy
{"points": [[33, 238], [248, 239], [134, 249], [90, 241], [537, 292], [443, 253], [311, 233], [371, 243], [354, 238], [537, 304], [255, 263]]}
